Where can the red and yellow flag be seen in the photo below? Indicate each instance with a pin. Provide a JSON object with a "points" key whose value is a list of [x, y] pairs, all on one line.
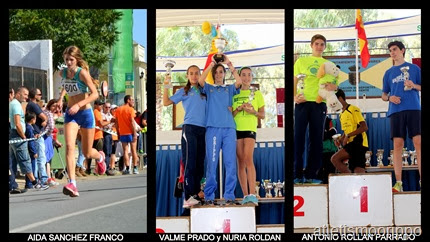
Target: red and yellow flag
{"points": [[364, 51]]}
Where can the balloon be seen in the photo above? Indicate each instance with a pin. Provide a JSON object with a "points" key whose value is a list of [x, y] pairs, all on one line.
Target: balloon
{"points": [[206, 27]]}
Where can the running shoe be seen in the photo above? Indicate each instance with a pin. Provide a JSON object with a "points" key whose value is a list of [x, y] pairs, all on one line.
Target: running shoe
{"points": [[398, 187], [210, 202], [70, 190], [41, 187], [245, 200], [190, 202], [101, 164], [252, 199], [298, 181], [51, 182], [230, 202]]}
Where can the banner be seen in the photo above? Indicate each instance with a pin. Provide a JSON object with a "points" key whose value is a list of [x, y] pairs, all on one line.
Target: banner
{"points": [[122, 51], [376, 29], [266, 56], [370, 77]]}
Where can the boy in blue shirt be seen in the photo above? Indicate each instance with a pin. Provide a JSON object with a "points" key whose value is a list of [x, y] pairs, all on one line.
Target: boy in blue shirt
{"points": [[30, 119], [401, 89]]}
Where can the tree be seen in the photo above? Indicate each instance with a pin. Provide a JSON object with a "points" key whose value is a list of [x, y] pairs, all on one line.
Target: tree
{"points": [[323, 18], [189, 41], [92, 30]]}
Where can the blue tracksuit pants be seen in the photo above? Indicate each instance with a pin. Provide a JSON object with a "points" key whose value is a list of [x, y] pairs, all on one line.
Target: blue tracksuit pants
{"points": [[216, 139]]}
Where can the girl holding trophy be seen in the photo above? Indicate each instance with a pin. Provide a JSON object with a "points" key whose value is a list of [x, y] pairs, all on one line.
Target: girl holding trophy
{"points": [[193, 131], [248, 107], [220, 128]]}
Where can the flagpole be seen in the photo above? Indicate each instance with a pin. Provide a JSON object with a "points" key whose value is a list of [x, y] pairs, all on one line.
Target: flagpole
{"points": [[357, 80]]}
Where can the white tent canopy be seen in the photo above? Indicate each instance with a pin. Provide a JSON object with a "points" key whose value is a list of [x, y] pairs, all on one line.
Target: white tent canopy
{"points": [[266, 56], [194, 17], [254, 57], [376, 29]]}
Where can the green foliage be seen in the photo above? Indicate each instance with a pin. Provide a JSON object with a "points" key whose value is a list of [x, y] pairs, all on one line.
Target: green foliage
{"points": [[92, 30], [189, 41], [324, 18]]}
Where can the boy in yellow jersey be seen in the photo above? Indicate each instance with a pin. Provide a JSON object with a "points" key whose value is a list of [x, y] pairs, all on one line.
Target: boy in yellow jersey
{"points": [[308, 114], [354, 138]]}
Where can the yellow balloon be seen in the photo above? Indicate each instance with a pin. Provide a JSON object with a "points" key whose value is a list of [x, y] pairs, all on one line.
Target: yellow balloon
{"points": [[206, 27]]}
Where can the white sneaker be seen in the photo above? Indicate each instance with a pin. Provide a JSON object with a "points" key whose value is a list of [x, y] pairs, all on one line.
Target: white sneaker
{"points": [[190, 202]]}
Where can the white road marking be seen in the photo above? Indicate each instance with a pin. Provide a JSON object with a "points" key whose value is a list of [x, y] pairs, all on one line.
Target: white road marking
{"points": [[51, 220]]}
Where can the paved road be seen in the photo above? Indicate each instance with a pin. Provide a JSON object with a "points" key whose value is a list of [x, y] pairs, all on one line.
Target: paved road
{"points": [[106, 205]]}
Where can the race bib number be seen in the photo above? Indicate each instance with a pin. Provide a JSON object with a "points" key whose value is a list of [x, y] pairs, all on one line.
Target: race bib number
{"points": [[71, 88]]}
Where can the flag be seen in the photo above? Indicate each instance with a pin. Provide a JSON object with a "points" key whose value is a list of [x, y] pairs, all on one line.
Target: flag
{"points": [[364, 51]]}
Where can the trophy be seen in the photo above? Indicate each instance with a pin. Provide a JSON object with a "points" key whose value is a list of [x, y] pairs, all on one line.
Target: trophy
{"points": [[413, 155], [352, 75], [405, 70], [169, 64], [368, 156], [380, 156], [252, 93], [391, 158], [220, 45], [268, 186], [278, 188], [336, 138], [257, 189], [301, 83], [202, 183], [405, 155], [283, 186]]}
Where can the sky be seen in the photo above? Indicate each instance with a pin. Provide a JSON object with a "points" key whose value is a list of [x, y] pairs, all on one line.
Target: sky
{"points": [[139, 28]]}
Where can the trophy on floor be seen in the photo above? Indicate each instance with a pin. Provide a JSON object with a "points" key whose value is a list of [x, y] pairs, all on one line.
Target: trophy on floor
{"points": [[413, 155], [202, 183], [268, 186], [220, 44], [368, 156], [301, 83], [278, 188], [405, 156], [405, 72], [169, 64], [283, 185], [380, 156], [391, 158], [257, 189]]}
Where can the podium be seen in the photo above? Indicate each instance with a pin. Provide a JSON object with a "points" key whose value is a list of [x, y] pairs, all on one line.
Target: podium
{"points": [[355, 200], [220, 219]]}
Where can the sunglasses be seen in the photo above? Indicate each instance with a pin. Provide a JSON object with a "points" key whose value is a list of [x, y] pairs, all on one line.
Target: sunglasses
{"points": [[40, 94]]}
